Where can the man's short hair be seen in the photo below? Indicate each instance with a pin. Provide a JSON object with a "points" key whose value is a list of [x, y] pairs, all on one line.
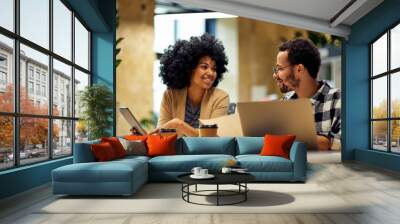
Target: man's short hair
{"points": [[301, 51]]}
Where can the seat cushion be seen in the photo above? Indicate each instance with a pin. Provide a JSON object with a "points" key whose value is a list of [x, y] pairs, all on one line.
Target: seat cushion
{"points": [[257, 163], [112, 171], [185, 163], [206, 145], [249, 145]]}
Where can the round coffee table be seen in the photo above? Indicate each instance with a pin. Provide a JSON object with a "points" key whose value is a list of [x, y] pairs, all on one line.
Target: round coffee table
{"points": [[238, 179]]}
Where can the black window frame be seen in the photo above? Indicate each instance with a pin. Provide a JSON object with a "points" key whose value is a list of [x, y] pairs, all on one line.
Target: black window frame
{"points": [[388, 74], [16, 115]]}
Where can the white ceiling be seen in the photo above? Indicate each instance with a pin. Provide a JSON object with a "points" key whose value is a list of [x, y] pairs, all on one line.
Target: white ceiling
{"points": [[315, 15], [324, 9]]}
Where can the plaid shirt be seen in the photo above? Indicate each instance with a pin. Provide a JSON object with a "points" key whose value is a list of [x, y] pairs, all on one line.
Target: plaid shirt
{"points": [[326, 102]]}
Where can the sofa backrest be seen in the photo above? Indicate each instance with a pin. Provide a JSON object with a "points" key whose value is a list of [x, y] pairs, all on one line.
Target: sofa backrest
{"points": [[190, 146], [83, 152], [249, 145], [206, 145]]}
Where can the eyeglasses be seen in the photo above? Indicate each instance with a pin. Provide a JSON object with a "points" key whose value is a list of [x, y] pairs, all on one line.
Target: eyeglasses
{"points": [[276, 69]]}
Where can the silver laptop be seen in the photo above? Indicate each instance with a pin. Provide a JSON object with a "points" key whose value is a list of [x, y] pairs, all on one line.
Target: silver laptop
{"points": [[133, 122], [279, 117]]}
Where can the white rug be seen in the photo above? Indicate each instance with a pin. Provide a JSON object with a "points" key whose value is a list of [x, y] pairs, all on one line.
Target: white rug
{"points": [[166, 198]]}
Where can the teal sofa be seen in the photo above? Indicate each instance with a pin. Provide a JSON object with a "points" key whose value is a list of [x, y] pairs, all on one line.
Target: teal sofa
{"points": [[125, 176]]}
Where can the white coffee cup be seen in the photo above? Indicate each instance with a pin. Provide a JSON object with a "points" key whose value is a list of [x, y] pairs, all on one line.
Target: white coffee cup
{"points": [[226, 170], [196, 170], [203, 172]]}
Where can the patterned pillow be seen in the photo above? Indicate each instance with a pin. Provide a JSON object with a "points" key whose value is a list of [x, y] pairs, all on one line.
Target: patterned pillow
{"points": [[134, 147]]}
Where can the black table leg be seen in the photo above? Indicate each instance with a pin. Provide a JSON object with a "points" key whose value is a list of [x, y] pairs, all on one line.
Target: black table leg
{"points": [[188, 189], [245, 193], [217, 194]]}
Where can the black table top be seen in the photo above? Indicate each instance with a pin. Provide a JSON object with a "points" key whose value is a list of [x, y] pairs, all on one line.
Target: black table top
{"points": [[220, 178]]}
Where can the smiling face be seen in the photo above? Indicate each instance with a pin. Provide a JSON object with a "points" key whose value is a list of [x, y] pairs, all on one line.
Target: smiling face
{"points": [[282, 87], [286, 72], [204, 74]]}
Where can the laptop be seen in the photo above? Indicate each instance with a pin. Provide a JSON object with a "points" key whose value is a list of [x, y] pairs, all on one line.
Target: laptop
{"points": [[272, 117], [133, 122], [279, 117]]}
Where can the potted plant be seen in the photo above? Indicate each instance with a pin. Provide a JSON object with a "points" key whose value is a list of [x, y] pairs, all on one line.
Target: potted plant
{"points": [[96, 102]]}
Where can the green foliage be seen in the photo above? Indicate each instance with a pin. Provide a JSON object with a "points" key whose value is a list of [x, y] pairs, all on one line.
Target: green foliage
{"points": [[97, 103], [149, 123], [321, 39]]}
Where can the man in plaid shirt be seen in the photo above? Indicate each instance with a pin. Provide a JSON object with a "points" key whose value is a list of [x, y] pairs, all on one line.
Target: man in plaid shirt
{"points": [[296, 70]]}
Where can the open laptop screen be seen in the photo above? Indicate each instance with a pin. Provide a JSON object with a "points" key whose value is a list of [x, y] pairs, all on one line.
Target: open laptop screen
{"points": [[133, 122]]}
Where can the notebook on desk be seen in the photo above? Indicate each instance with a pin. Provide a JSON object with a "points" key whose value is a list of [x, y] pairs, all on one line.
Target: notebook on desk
{"points": [[133, 122]]}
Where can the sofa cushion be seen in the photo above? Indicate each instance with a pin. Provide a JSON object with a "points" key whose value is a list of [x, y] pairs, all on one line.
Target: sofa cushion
{"points": [[134, 147], [83, 152], [160, 145], [116, 145], [136, 137], [103, 152], [206, 145], [277, 145], [112, 171], [130, 158], [185, 163], [257, 163], [249, 145]]}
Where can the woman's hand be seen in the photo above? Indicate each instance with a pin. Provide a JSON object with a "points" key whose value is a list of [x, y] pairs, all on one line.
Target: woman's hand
{"points": [[175, 123], [180, 126]]}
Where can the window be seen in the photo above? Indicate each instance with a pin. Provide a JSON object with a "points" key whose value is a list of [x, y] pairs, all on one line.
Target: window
{"points": [[37, 74], [54, 126], [7, 14], [30, 73], [30, 87], [43, 90], [3, 61], [62, 29], [35, 22], [3, 78], [81, 45], [3, 72], [38, 89], [385, 96]]}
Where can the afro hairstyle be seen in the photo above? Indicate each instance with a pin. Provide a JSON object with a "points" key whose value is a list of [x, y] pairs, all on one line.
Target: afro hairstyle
{"points": [[179, 60]]}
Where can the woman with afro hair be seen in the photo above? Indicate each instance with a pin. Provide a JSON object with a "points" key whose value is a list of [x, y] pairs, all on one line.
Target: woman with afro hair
{"points": [[192, 70]]}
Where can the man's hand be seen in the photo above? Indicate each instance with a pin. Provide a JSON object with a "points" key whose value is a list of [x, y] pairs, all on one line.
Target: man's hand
{"points": [[324, 143]]}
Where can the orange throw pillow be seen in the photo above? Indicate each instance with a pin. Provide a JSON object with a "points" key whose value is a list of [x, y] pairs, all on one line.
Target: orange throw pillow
{"points": [[103, 152], [161, 145], [136, 137], [277, 145], [116, 145]]}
